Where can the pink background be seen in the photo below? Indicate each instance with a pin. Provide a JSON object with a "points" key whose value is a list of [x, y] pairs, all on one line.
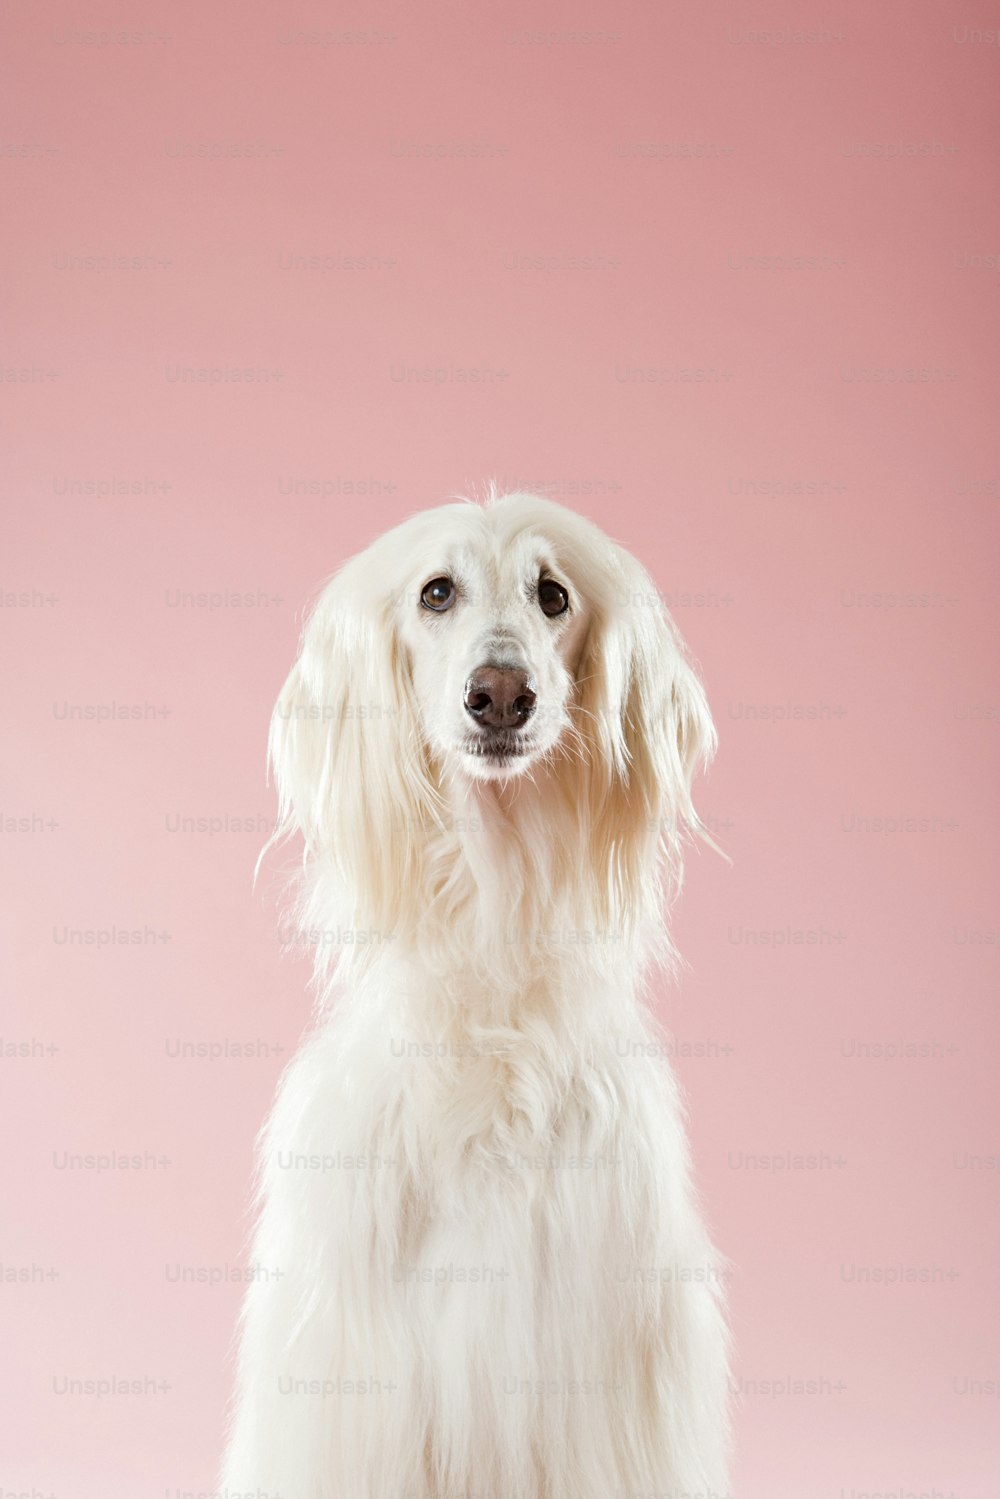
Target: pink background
{"points": [[822, 523]]}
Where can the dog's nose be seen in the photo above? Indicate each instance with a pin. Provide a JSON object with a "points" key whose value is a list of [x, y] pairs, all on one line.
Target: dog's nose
{"points": [[499, 696]]}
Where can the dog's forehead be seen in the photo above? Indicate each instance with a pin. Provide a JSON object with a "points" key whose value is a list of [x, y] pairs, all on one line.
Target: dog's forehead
{"points": [[500, 547], [502, 560]]}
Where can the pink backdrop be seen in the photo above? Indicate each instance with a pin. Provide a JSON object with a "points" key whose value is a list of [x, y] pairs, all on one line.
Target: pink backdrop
{"points": [[732, 290]]}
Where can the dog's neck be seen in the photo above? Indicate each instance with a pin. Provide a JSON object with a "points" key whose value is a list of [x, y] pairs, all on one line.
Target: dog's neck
{"points": [[513, 894]]}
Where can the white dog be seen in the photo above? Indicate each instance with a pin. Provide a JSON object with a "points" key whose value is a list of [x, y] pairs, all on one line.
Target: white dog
{"points": [[480, 1269]]}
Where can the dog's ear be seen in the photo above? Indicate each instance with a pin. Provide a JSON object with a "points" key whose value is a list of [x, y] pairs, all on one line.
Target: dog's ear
{"points": [[646, 729], [348, 755]]}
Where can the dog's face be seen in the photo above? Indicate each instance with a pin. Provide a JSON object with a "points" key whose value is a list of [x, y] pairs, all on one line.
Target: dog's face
{"points": [[494, 628]]}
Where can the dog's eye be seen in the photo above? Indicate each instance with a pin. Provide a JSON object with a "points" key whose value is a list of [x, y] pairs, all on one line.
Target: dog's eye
{"points": [[438, 594], [553, 597]]}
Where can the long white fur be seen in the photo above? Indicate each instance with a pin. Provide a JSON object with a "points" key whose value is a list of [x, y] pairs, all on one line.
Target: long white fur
{"points": [[494, 1280]]}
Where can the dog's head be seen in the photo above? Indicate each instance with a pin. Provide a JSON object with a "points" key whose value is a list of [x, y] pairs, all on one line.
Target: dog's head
{"points": [[487, 644]]}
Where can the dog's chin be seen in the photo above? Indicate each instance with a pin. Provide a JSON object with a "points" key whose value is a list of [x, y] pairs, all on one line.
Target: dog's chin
{"points": [[485, 759]]}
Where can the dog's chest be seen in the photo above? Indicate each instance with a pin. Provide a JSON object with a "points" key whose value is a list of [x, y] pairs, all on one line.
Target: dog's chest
{"points": [[512, 1113]]}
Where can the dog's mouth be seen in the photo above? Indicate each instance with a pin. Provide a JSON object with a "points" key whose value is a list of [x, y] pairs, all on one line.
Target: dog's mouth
{"points": [[498, 751]]}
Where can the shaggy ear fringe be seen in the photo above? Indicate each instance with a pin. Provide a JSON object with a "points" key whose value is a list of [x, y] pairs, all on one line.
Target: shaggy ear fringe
{"points": [[350, 766], [645, 718], [697, 741]]}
